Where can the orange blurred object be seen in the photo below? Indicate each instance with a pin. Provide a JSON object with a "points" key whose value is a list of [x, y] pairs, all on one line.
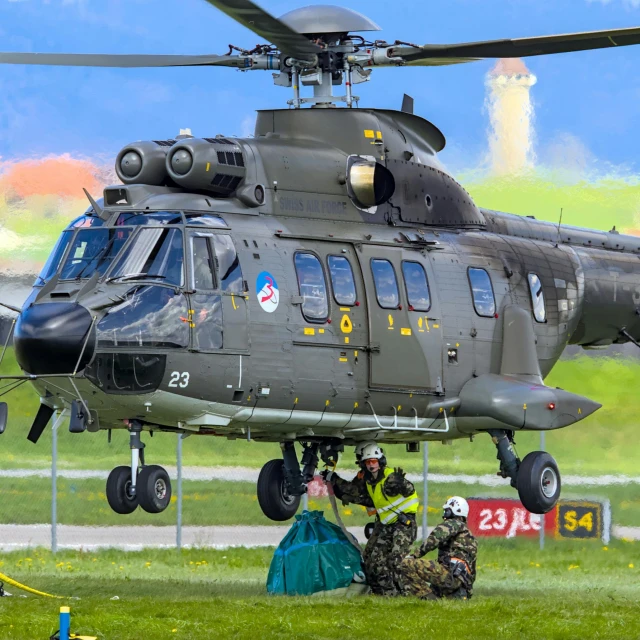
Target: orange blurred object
{"points": [[63, 176]]}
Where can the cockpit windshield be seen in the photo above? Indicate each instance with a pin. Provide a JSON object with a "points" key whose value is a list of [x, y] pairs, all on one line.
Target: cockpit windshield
{"points": [[92, 250], [156, 218], [154, 254], [55, 257]]}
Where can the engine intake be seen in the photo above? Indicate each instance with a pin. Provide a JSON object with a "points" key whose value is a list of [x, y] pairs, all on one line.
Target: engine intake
{"points": [[368, 182], [216, 165], [144, 163]]}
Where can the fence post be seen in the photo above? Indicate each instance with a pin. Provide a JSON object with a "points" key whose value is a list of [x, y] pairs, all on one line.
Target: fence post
{"points": [[54, 488], [425, 488], [54, 480], [543, 517], [179, 498]]}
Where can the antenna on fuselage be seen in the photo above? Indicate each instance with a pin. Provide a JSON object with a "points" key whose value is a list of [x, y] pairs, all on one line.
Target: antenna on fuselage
{"points": [[559, 224], [407, 104]]}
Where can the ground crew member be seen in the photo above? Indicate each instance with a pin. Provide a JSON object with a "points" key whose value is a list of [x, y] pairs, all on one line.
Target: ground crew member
{"points": [[396, 503], [453, 574]]}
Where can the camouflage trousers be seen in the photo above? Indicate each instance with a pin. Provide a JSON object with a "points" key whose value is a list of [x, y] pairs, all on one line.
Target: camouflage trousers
{"points": [[382, 556], [428, 579]]}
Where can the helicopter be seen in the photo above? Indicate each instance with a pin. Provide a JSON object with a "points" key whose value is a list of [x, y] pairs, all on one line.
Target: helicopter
{"points": [[321, 283]]}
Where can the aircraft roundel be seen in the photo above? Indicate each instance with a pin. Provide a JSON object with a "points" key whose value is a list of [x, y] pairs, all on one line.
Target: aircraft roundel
{"points": [[267, 292]]}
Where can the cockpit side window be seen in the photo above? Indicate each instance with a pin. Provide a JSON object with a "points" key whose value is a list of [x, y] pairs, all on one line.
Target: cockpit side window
{"points": [[203, 264], [229, 270], [154, 254], [484, 301]]}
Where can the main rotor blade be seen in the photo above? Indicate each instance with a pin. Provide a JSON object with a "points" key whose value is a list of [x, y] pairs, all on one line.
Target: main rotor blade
{"points": [[120, 60], [266, 26], [522, 47]]}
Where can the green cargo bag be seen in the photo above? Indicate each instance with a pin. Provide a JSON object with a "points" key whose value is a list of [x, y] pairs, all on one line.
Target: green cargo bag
{"points": [[315, 555]]}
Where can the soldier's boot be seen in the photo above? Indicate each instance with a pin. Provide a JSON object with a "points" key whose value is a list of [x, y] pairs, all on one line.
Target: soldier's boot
{"points": [[459, 594]]}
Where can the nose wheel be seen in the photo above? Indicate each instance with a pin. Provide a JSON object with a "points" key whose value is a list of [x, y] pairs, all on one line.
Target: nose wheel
{"points": [[147, 486], [119, 491]]}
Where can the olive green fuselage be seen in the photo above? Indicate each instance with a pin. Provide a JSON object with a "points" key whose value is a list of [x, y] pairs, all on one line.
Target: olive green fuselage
{"points": [[320, 364]]}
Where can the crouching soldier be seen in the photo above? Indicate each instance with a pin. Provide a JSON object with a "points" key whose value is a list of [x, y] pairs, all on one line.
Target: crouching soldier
{"points": [[452, 575], [396, 503]]}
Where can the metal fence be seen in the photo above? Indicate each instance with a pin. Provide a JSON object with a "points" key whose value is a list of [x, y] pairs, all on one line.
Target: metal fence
{"points": [[66, 507]]}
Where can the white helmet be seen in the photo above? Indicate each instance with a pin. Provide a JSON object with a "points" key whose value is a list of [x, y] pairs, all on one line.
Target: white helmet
{"points": [[459, 506], [361, 446], [371, 450]]}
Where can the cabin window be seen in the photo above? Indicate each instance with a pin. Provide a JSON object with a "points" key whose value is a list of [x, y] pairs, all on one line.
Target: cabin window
{"points": [[312, 286], [203, 266], [537, 298], [342, 280], [229, 271], [417, 286], [484, 301], [384, 277]]}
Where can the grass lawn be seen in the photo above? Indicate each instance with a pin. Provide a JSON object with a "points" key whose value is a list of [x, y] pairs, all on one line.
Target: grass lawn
{"points": [[83, 502], [566, 591]]}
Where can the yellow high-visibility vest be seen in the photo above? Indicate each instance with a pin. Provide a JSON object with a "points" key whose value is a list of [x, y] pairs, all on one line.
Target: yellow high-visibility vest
{"points": [[388, 507]]}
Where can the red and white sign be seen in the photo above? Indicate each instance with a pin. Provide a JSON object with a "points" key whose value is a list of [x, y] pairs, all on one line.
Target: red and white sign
{"points": [[506, 518]]}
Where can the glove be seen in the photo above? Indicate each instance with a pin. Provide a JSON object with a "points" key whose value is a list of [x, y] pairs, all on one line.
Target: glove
{"points": [[327, 474], [399, 471]]}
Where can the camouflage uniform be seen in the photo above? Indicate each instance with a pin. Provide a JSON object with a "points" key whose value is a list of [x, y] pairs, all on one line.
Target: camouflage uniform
{"points": [[430, 579], [388, 544]]}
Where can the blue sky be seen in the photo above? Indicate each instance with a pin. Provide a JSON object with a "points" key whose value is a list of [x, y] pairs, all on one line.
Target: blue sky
{"points": [[588, 102]]}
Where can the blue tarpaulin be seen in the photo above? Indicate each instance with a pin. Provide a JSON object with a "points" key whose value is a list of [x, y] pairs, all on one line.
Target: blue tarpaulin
{"points": [[315, 555]]}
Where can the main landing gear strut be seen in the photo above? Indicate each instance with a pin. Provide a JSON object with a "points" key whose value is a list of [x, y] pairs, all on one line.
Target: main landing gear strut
{"points": [[282, 482], [139, 484], [536, 478]]}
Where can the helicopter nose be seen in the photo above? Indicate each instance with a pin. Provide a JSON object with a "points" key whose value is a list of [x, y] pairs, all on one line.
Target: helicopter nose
{"points": [[51, 337]]}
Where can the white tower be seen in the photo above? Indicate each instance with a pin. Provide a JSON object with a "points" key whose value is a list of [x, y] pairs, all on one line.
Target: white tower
{"points": [[510, 113]]}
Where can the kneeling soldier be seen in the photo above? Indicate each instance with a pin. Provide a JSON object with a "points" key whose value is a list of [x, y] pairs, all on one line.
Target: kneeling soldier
{"points": [[453, 574]]}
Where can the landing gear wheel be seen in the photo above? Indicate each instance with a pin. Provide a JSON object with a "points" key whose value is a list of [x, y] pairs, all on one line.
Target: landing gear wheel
{"points": [[275, 500], [539, 482], [153, 488], [119, 494]]}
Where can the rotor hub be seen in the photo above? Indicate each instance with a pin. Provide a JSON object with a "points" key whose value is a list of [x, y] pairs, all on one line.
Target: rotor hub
{"points": [[327, 19]]}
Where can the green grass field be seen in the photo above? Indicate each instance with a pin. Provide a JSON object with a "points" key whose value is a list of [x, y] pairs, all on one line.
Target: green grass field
{"points": [[604, 443], [566, 591], [83, 502], [596, 204]]}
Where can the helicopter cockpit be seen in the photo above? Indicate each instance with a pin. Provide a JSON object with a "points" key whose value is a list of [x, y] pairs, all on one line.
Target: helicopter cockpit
{"points": [[162, 278]]}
